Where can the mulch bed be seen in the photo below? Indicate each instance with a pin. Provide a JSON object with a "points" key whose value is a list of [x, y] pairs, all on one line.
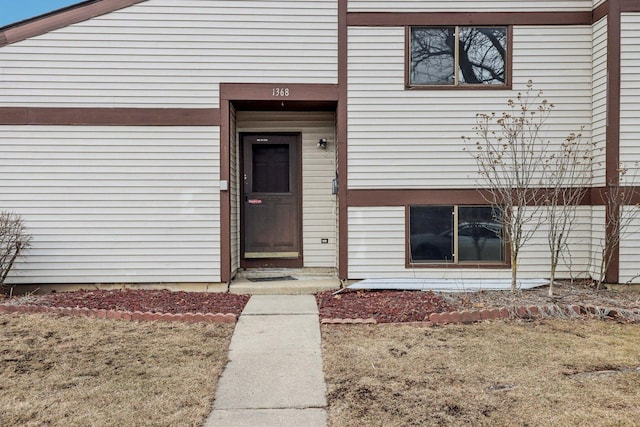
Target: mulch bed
{"points": [[374, 306], [131, 300], [383, 306]]}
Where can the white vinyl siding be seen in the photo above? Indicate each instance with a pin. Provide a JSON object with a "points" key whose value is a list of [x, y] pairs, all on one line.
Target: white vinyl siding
{"points": [[234, 188], [597, 238], [630, 247], [630, 97], [597, 3], [412, 138], [574, 262], [172, 53], [319, 210], [114, 204], [468, 6], [599, 101], [377, 238]]}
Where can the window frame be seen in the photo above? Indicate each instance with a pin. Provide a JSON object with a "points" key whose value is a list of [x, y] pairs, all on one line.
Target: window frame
{"points": [[409, 263], [508, 72]]}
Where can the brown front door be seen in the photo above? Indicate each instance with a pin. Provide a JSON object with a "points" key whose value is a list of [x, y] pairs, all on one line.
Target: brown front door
{"points": [[271, 203]]}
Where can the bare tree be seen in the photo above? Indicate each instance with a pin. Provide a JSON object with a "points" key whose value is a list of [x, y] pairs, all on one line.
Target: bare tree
{"points": [[512, 154], [568, 175], [14, 240], [617, 219]]}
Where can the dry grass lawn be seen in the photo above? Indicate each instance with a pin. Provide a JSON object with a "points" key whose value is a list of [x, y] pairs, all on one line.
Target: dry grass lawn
{"points": [[71, 371], [548, 372]]}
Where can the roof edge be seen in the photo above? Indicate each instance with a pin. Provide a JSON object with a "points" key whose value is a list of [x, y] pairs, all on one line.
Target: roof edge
{"points": [[61, 18]]}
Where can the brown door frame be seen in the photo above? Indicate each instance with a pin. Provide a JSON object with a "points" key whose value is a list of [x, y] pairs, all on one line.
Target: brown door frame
{"points": [[296, 170], [301, 97]]}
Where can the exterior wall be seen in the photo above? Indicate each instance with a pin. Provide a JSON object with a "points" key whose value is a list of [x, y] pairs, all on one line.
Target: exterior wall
{"points": [[377, 249], [630, 246], [114, 204], [629, 149], [319, 209], [575, 261], [597, 239], [172, 53], [630, 97], [412, 138], [599, 101], [466, 6]]}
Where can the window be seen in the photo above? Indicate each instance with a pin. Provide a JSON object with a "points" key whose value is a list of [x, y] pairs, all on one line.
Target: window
{"points": [[458, 56], [455, 235]]}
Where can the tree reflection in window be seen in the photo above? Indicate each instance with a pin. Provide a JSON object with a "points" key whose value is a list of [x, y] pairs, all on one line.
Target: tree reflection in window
{"points": [[458, 55]]}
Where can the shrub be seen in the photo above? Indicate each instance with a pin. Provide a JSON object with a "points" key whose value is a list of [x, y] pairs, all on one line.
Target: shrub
{"points": [[14, 241]]}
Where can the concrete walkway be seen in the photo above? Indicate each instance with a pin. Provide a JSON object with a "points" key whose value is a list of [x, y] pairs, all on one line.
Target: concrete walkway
{"points": [[274, 376]]}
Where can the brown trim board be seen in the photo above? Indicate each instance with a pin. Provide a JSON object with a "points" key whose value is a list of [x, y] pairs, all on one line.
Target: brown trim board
{"points": [[613, 120], [394, 19], [283, 93], [60, 19], [600, 12], [445, 196], [269, 92], [84, 116], [342, 135], [629, 5]]}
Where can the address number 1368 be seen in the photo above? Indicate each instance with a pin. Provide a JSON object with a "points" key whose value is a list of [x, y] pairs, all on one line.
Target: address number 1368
{"points": [[280, 92]]}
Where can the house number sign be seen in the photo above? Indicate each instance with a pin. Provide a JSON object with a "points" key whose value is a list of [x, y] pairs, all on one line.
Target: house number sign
{"points": [[280, 92]]}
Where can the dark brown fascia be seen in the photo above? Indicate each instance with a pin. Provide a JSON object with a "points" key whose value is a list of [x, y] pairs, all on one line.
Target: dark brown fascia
{"points": [[60, 19], [595, 196], [389, 19], [629, 5], [99, 116]]}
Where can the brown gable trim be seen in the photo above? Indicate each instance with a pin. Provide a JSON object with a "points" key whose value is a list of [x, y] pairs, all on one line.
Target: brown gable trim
{"points": [[60, 19], [390, 19], [629, 5], [74, 116]]}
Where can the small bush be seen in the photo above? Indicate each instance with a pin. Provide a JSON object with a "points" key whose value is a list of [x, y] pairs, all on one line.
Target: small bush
{"points": [[14, 240]]}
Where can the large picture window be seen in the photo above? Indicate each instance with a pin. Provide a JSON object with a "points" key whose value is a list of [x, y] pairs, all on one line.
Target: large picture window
{"points": [[455, 235], [458, 56]]}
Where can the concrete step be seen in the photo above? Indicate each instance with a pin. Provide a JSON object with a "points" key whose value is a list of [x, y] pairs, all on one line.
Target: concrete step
{"points": [[303, 285]]}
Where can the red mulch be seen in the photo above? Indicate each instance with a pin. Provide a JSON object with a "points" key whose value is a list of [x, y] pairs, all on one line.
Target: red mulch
{"points": [[384, 306], [155, 301]]}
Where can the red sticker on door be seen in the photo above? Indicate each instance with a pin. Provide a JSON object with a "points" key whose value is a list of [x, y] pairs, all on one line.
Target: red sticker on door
{"points": [[255, 201]]}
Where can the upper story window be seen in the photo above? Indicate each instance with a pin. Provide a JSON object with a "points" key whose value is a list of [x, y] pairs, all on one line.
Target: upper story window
{"points": [[458, 56]]}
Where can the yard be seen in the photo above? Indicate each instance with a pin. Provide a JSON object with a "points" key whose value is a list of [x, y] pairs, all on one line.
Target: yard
{"points": [[548, 372], [71, 371], [84, 371]]}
